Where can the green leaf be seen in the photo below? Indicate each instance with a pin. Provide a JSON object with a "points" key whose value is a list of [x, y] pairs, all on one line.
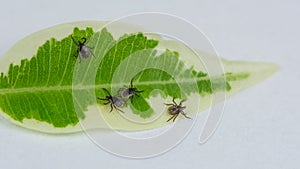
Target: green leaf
{"points": [[51, 91]]}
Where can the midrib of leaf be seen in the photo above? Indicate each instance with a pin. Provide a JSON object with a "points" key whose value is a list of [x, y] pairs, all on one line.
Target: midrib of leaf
{"points": [[100, 86]]}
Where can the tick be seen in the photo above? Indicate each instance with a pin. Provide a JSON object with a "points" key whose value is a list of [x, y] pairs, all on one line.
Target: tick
{"points": [[82, 50], [175, 109], [114, 101], [130, 91]]}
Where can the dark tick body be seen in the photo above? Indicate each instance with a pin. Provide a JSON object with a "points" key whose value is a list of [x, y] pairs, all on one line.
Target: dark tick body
{"points": [[130, 91], [114, 101], [175, 109], [82, 50]]}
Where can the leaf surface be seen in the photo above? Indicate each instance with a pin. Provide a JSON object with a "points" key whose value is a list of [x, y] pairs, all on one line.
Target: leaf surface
{"points": [[52, 91]]}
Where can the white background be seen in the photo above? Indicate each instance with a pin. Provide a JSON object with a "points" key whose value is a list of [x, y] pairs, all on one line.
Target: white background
{"points": [[260, 127]]}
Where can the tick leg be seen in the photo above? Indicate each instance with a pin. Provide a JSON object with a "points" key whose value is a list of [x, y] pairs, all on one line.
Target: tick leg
{"points": [[74, 40], [169, 104], [118, 109], [105, 100], [111, 107], [131, 99], [92, 53], [185, 115], [174, 101], [106, 91], [102, 98], [171, 117], [79, 59], [131, 83], [76, 54], [90, 47], [181, 102], [176, 115], [84, 40]]}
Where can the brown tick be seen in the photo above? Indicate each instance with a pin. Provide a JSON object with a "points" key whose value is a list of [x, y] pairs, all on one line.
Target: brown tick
{"points": [[82, 50], [114, 101], [175, 109]]}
